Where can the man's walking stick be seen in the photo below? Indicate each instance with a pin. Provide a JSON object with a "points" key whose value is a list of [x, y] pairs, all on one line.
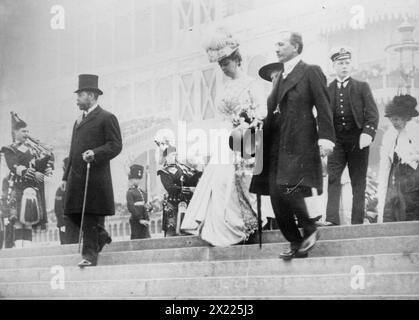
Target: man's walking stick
{"points": [[84, 204], [259, 208]]}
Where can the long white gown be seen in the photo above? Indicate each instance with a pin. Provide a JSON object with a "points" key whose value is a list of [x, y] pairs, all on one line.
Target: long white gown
{"points": [[222, 209]]}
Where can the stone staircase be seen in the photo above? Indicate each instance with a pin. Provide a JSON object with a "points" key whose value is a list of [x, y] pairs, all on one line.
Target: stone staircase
{"points": [[379, 261]]}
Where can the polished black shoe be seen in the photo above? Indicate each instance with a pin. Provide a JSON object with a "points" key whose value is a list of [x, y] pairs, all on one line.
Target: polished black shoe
{"points": [[86, 263], [108, 240], [309, 242], [292, 253]]}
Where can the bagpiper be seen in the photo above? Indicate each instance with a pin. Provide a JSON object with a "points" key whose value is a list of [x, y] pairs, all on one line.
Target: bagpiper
{"points": [[29, 163], [179, 180], [137, 204]]}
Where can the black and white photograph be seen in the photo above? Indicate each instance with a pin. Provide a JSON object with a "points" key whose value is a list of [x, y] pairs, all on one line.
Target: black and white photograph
{"points": [[230, 151]]}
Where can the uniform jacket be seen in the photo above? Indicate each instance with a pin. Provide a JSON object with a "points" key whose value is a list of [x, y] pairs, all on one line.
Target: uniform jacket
{"points": [[99, 132], [362, 104], [137, 212], [171, 176], [298, 159]]}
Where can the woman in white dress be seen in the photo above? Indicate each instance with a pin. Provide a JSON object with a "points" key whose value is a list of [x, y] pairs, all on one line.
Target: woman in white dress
{"points": [[222, 210]]}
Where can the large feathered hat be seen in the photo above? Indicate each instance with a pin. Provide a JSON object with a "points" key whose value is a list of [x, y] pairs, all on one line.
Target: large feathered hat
{"points": [[220, 45], [402, 105]]}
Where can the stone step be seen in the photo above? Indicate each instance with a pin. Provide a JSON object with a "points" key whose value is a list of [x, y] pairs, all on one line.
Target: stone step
{"points": [[327, 233], [323, 248], [257, 267], [400, 283]]}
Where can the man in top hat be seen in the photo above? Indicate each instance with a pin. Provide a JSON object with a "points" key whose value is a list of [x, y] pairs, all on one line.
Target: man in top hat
{"points": [[355, 116], [136, 203], [96, 139], [26, 194], [293, 142]]}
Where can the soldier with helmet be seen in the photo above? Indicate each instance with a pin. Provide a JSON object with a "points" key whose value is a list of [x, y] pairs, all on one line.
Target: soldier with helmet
{"points": [[137, 204]]}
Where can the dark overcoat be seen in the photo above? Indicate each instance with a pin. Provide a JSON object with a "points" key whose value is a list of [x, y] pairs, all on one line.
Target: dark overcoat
{"points": [[293, 132], [99, 132]]}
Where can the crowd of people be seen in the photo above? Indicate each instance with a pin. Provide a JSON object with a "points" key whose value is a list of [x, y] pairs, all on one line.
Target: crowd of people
{"points": [[309, 129]]}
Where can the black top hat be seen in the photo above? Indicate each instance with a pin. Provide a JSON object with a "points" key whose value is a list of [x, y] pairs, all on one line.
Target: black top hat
{"points": [[136, 171], [266, 71], [88, 82], [403, 106]]}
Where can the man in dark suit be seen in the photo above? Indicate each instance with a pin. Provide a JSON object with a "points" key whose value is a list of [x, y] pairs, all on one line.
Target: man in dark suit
{"points": [[96, 139], [293, 142], [356, 120]]}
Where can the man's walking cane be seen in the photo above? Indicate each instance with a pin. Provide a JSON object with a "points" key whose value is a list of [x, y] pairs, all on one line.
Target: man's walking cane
{"points": [[259, 205], [84, 204]]}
